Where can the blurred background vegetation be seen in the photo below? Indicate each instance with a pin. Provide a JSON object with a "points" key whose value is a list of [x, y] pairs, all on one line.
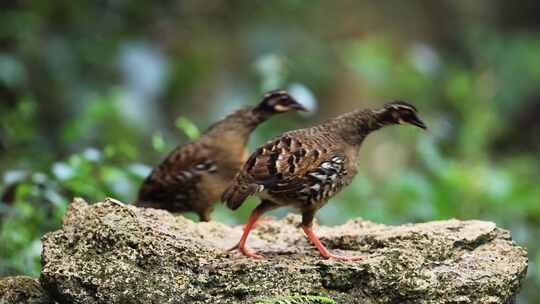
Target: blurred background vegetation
{"points": [[94, 93]]}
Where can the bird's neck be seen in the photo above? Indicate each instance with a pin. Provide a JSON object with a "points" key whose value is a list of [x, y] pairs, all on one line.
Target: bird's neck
{"points": [[355, 126], [237, 126]]}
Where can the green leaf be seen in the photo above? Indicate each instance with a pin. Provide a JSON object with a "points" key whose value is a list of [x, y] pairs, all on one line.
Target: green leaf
{"points": [[189, 128], [158, 142]]}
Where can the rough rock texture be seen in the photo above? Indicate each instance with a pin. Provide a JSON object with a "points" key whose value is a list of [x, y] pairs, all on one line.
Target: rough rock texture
{"points": [[22, 290], [109, 253]]}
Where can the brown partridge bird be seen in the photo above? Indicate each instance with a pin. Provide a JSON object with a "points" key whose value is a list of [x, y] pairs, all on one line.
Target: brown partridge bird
{"points": [[305, 168], [193, 176]]}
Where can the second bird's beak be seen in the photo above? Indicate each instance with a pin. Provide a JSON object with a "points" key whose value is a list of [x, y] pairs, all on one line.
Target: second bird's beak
{"points": [[418, 122]]}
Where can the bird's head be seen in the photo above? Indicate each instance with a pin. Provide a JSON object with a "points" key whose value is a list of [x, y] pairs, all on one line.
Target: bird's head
{"points": [[403, 113], [279, 101]]}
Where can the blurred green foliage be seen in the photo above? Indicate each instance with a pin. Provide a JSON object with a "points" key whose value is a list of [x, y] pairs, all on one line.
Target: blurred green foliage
{"points": [[87, 107]]}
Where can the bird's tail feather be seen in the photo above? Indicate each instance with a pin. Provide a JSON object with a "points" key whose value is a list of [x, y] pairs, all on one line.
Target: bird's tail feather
{"points": [[236, 194]]}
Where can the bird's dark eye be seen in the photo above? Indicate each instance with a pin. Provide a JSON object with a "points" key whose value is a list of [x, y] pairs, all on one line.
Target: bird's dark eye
{"points": [[405, 113], [285, 100]]}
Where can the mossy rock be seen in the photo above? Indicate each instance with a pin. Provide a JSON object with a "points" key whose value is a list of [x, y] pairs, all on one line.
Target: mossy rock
{"points": [[297, 300], [110, 253], [22, 290]]}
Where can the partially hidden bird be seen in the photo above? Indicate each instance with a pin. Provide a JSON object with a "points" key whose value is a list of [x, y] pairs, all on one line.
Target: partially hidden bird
{"points": [[304, 168], [193, 176]]}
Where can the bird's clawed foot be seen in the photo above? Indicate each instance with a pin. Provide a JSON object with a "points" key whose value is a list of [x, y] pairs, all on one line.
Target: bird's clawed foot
{"points": [[322, 249], [251, 254], [246, 252]]}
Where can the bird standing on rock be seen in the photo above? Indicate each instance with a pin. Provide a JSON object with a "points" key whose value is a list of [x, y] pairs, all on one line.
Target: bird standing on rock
{"points": [[304, 168], [193, 176]]}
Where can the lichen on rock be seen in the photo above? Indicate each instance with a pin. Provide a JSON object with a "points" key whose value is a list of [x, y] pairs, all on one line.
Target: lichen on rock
{"points": [[109, 253], [297, 300], [22, 289]]}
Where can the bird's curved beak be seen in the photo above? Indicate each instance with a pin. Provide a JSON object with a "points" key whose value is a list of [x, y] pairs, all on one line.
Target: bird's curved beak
{"points": [[299, 107], [418, 122]]}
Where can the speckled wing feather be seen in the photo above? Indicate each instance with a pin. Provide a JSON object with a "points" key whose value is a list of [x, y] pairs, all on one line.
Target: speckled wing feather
{"points": [[294, 169], [174, 182], [280, 161]]}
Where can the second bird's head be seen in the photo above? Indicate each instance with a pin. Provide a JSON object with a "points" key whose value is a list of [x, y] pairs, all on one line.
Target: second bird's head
{"points": [[403, 113], [279, 101]]}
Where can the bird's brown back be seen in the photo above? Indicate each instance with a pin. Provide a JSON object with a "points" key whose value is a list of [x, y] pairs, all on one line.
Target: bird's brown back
{"points": [[305, 167], [193, 175]]}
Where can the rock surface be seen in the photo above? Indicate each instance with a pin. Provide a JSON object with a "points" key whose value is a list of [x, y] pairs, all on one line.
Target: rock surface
{"points": [[22, 290], [109, 253]]}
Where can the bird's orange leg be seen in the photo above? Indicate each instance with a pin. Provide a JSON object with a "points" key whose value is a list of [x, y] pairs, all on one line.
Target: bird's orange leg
{"points": [[324, 252], [307, 220], [252, 221], [264, 206], [264, 219], [247, 229]]}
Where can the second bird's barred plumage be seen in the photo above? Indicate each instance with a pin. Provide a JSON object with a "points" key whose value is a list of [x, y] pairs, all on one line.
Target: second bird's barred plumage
{"points": [[177, 183], [193, 176]]}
